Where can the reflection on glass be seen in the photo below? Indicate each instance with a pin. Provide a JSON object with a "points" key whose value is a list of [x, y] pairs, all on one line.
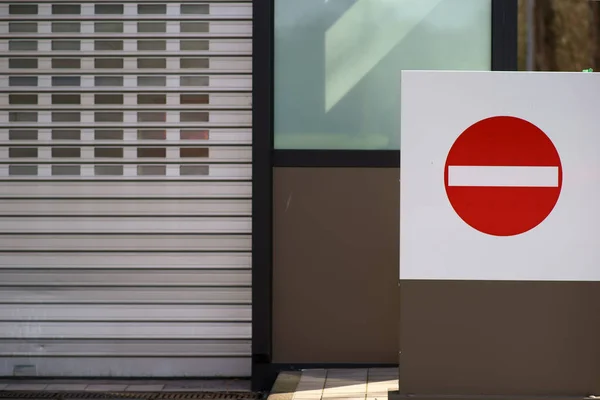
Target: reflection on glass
{"points": [[338, 63]]}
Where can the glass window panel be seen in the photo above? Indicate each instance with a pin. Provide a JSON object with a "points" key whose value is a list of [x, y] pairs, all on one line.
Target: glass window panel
{"points": [[152, 170], [116, 63], [22, 81], [186, 170], [66, 81], [108, 116], [152, 98], [22, 152], [66, 134], [108, 152], [108, 99], [337, 64], [108, 170], [152, 9], [151, 27], [193, 98], [62, 63], [191, 45], [66, 170], [66, 27], [108, 81], [22, 27], [66, 117], [108, 45], [151, 152], [108, 27], [23, 134], [194, 134], [159, 63], [194, 63], [22, 45], [151, 45], [152, 80], [22, 99], [108, 134], [22, 116], [193, 116], [193, 27], [23, 170], [72, 9], [66, 45], [66, 99], [193, 152], [23, 63], [108, 9], [151, 134], [19, 9], [195, 9], [66, 152]]}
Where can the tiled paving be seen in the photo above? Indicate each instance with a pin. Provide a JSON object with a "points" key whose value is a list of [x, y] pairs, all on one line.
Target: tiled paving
{"points": [[208, 385], [346, 384]]}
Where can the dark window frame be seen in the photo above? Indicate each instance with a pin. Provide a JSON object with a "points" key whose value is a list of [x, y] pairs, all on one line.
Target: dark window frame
{"points": [[265, 158]]}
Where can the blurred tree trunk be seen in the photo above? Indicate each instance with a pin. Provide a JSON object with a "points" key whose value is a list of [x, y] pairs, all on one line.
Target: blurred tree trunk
{"points": [[545, 36], [595, 34]]}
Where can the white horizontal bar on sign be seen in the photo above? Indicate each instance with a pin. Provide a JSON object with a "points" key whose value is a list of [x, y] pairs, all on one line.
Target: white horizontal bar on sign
{"points": [[502, 176], [157, 313], [108, 367], [104, 348], [124, 330], [153, 242], [129, 295], [164, 261], [130, 190], [203, 225], [128, 278], [131, 207]]}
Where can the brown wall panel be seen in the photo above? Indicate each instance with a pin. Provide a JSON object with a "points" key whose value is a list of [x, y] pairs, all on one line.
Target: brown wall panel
{"points": [[335, 265], [502, 338]]}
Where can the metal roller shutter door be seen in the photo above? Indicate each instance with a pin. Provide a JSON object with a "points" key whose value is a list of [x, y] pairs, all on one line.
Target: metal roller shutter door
{"points": [[125, 201]]}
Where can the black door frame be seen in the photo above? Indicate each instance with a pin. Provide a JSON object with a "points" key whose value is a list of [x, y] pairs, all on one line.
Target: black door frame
{"points": [[265, 158]]}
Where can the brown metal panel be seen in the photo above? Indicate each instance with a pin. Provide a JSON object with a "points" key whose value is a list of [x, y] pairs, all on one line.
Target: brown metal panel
{"points": [[507, 338], [335, 265]]}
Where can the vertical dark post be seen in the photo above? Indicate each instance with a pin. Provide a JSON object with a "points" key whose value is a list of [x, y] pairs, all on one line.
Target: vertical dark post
{"points": [[262, 145], [504, 35]]}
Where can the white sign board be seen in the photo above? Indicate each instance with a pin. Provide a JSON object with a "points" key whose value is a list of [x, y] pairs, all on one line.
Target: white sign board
{"points": [[500, 176]]}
